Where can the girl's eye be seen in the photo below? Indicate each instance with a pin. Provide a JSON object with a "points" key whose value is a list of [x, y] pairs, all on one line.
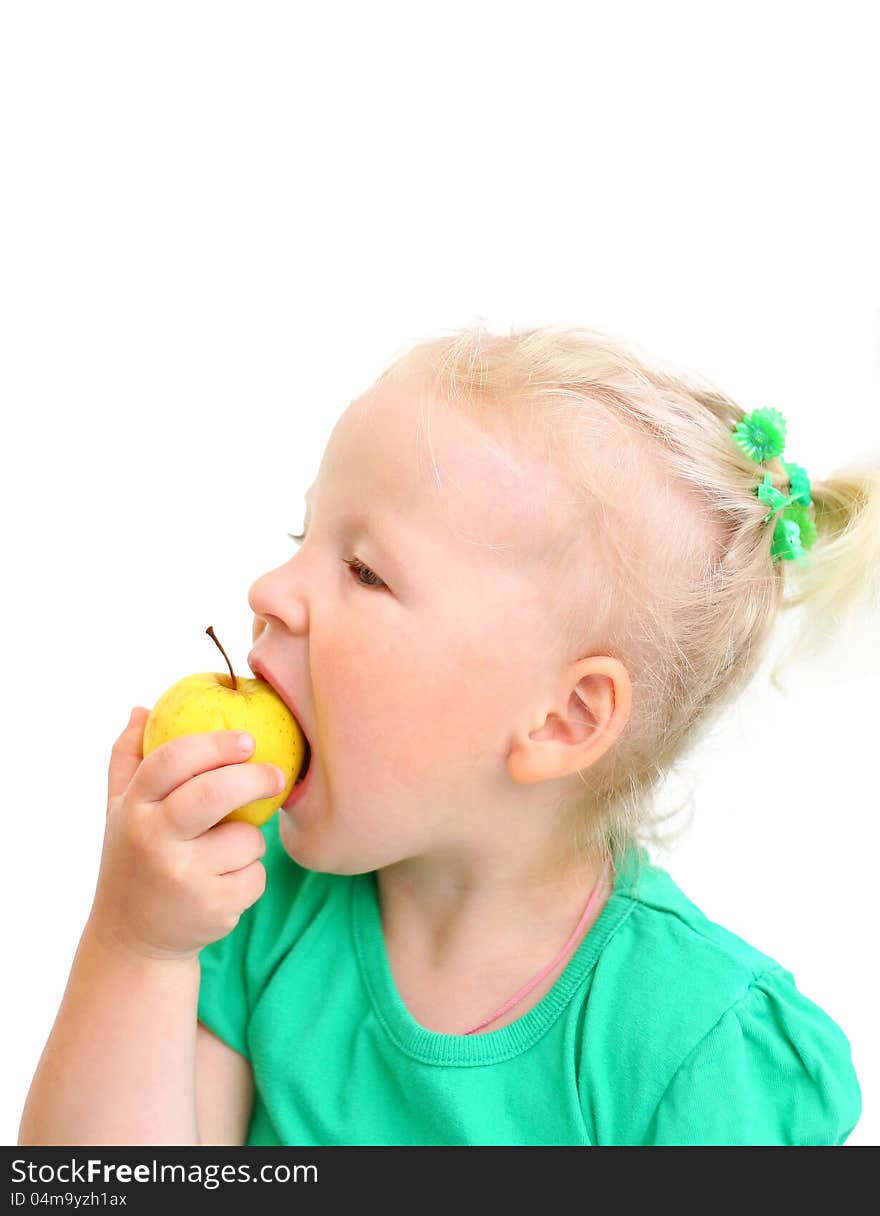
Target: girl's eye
{"points": [[354, 563], [359, 568]]}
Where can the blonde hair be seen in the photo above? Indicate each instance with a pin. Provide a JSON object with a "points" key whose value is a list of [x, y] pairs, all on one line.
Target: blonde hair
{"points": [[669, 541]]}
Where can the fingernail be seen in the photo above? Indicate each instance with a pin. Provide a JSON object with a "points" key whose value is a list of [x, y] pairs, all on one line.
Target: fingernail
{"points": [[282, 780], [245, 741]]}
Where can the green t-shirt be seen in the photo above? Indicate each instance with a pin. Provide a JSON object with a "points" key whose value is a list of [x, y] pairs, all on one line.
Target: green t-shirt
{"points": [[664, 1028]]}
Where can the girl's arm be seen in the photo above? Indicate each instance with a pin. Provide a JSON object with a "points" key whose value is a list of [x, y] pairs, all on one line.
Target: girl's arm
{"points": [[224, 1090], [119, 1065]]}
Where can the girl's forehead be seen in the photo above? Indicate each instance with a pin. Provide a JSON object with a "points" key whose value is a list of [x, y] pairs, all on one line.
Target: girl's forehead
{"points": [[419, 456]]}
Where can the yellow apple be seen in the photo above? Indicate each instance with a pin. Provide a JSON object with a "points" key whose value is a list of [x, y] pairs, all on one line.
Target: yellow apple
{"points": [[212, 700]]}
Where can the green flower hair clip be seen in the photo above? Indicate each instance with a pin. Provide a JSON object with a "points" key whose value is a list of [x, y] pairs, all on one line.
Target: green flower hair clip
{"points": [[761, 435]]}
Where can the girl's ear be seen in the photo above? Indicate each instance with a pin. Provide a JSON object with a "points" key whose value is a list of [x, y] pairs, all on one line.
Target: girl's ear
{"points": [[597, 706]]}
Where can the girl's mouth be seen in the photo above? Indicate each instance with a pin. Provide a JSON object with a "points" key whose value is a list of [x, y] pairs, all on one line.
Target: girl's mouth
{"points": [[303, 783], [307, 759]]}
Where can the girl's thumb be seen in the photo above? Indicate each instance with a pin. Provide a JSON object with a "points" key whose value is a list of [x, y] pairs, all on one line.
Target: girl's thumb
{"points": [[127, 753]]}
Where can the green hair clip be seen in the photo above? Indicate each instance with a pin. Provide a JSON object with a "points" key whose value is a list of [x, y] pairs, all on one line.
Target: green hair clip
{"points": [[761, 435]]}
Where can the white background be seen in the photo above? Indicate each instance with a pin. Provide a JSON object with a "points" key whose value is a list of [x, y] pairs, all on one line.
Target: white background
{"points": [[220, 221]]}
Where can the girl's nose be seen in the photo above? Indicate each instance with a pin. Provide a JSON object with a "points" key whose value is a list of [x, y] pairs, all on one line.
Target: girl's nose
{"points": [[257, 596], [277, 595]]}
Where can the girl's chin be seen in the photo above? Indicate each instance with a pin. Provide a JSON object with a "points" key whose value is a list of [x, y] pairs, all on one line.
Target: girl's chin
{"points": [[290, 834], [313, 850]]}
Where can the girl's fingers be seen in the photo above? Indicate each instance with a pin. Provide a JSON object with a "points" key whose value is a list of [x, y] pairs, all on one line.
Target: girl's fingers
{"points": [[230, 846]]}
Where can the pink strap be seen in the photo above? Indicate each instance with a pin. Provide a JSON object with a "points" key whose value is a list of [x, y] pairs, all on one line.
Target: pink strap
{"points": [[591, 903]]}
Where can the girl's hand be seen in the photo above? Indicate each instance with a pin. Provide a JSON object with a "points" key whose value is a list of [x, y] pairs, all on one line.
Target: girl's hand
{"points": [[172, 878]]}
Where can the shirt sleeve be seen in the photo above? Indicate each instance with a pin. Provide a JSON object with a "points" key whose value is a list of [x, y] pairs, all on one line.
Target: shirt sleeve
{"points": [[775, 1069]]}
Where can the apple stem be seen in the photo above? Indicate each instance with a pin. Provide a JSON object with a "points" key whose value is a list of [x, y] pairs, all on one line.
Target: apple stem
{"points": [[213, 636]]}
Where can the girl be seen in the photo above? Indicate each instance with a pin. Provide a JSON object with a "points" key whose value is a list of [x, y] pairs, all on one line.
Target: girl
{"points": [[534, 570]]}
